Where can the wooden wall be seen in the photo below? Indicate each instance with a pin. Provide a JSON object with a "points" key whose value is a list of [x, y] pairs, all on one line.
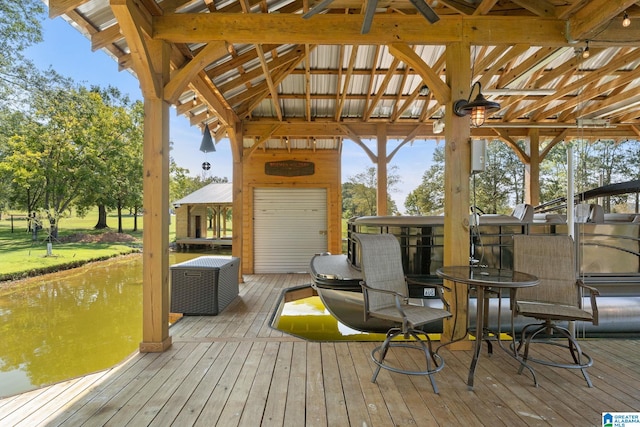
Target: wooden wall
{"points": [[327, 175], [187, 228]]}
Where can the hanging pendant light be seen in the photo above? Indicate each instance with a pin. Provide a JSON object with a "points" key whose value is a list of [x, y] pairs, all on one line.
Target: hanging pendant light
{"points": [[478, 109], [206, 146]]}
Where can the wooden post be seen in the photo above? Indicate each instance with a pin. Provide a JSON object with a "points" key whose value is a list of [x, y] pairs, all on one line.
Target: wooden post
{"points": [[532, 169], [456, 190], [237, 223], [155, 265], [381, 195]]}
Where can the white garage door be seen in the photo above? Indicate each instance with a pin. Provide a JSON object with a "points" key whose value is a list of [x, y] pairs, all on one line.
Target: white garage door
{"points": [[290, 226]]}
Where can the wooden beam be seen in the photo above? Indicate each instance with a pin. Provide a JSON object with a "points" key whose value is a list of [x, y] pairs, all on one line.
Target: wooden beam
{"points": [[591, 92], [155, 261], [356, 138], [136, 27], [345, 82], [246, 77], [268, 78], [440, 90], [459, 6], [382, 172], [345, 29], [530, 65], [593, 16], [538, 107], [104, 38], [559, 138], [499, 64], [409, 138], [60, 7], [181, 78], [301, 128], [524, 157], [277, 77], [307, 84], [485, 7], [532, 169], [214, 99], [381, 89], [539, 7]]}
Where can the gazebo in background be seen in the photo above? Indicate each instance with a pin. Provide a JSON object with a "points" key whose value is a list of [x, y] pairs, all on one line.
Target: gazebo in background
{"points": [[192, 216]]}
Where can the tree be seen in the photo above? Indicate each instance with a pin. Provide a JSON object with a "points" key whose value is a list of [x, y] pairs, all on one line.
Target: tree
{"points": [[495, 189], [428, 197], [60, 150], [359, 193], [20, 188], [19, 28], [115, 155], [492, 190]]}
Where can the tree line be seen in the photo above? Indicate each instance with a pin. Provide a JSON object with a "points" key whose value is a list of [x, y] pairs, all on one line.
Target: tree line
{"points": [[501, 185], [65, 146]]}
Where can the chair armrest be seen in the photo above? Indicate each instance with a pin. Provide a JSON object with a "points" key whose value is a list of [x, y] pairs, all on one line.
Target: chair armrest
{"points": [[593, 292], [399, 298]]}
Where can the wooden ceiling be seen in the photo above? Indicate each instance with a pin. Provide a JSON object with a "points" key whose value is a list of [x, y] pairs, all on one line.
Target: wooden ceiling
{"points": [[296, 83]]}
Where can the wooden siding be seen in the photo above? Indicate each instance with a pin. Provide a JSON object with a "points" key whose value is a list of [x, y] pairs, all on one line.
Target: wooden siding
{"points": [[327, 175], [234, 369]]}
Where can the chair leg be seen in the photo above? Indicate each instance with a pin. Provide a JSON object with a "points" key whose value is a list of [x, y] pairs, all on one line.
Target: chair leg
{"points": [[383, 349], [581, 360], [434, 362]]}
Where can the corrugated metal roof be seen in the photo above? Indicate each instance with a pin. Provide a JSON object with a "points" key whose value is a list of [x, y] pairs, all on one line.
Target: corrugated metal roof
{"points": [[211, 194], [322, 82]]}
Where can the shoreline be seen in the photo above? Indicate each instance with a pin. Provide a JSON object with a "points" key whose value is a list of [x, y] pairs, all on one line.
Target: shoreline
{"points": [[8, 286]]}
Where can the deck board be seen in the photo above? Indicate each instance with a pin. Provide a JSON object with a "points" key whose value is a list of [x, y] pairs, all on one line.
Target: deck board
{"points": [[234, 369]]}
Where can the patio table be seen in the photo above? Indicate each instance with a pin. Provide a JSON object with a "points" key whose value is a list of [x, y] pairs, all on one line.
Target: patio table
{"points": [[484, 281]]}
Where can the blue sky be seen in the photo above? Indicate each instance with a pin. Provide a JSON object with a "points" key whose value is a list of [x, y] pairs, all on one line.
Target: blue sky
{"points": [[69, 53]]}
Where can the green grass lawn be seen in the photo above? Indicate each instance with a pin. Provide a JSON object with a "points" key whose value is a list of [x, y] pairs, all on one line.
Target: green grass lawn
{"points": [[21, 256]]}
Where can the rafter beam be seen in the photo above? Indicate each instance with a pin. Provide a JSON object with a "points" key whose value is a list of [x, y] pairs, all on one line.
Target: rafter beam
{"points": [[593, 16], [439, 88], [60, 7], [537, 107], [539, 7], [181, 78], [135, 25], [383, 86], [104, 38], [269, 81]]}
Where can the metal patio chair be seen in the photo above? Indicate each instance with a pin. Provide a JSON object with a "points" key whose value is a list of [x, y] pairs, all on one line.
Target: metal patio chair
{"points": [[386, 296], [557, 298]]}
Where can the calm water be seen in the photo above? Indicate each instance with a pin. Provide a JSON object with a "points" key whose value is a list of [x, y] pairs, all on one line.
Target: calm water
{"points": [[71, 323], [308, 318]]}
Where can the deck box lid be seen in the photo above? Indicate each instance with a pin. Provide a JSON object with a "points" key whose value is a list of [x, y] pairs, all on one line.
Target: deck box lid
{"points": [[217, 261]]}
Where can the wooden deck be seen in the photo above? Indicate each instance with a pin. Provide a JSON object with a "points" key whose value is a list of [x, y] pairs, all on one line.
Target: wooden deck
{"points": [[186, 242], [233, 369]]}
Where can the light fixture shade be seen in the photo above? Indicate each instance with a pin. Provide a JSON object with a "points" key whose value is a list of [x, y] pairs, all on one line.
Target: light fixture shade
{"points": [[478, 116], [207, 146], [478, 109]]}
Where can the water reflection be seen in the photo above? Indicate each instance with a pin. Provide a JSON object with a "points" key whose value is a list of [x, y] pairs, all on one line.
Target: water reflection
{"points": [[308, 318], [71, 323]]}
